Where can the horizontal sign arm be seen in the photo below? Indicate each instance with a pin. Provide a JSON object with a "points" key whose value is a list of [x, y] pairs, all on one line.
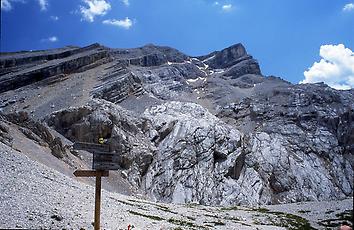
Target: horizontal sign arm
{"points": [[91, 173]]}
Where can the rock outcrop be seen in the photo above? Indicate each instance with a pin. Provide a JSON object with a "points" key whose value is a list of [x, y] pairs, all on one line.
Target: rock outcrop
{"points": [[21, 69], [234, 57], [120, 128], [297, 142], [195, 152], [5, 137], [33, 130], [149, 55]]}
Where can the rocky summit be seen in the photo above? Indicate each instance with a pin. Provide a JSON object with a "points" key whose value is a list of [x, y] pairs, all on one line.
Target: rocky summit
{"points": [[208, 130]]}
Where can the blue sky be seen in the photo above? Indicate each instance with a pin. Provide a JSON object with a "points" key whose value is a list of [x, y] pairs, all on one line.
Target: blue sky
{"points": [[285, 36]]}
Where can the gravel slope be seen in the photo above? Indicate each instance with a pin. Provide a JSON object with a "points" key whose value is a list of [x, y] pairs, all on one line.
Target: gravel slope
{"points": [[35, 196]]}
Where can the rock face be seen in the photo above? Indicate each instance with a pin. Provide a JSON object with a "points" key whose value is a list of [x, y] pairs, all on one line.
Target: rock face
{"points": [[33, 130], [236, 59], [148, 55], [297, 144], [195, 152], [209, 129], [21, 69], [119, 127]]}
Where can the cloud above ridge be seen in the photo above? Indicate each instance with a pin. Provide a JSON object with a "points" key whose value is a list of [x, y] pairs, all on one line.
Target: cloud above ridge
{"points": [[125, 23], [227, 7], [94, 8], [43, 4], [348, 7], [126, 2], [50, 39], [336, 68], [6, 5]]}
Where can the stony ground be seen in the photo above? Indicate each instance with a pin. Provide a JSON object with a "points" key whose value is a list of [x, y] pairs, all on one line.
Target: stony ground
{"points": [[35, 196]]}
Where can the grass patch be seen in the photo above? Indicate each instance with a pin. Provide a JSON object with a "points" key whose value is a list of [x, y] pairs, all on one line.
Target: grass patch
{"points": [[233, 218], [185, 223], [244, 224], [215, 223], [192, 205], [157, 206], [146, 216], [297, 222], [304, 211], [165, 209], [287, 220], [123, 202], [229, 208], [230, 218], [182, 223], [345, 217], [189, 218], [141, 201], [261, 210]]}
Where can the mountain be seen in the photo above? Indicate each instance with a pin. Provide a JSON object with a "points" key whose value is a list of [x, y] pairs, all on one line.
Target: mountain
{"points": [[210, 129]]}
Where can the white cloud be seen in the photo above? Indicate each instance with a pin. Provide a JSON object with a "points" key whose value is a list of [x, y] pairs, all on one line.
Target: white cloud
{"points": [[43, 4], [54, 18], [223, 7], [94, 8], [6, 5], [50, 39], [348, 7], [126, 2], [336, 68], [126, 23], [227, 7], [53, 39]]}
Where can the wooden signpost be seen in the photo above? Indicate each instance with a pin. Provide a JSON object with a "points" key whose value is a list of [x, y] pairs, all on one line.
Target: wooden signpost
{"points": [[103, 160]]}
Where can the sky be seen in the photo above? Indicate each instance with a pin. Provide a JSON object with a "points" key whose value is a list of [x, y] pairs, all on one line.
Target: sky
{"points": [[299, 41]]}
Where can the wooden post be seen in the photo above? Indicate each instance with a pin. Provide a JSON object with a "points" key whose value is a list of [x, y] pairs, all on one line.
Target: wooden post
{"points": [[98, 174], [98, 202], [103, 161]]}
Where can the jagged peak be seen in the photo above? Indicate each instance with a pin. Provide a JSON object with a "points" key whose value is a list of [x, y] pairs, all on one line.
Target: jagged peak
{"points": [[236, 47], [228, 57]]}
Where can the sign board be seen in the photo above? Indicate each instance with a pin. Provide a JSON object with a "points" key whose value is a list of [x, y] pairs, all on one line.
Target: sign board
{"points": [[103, 159], [91, 147], [90, 173]]}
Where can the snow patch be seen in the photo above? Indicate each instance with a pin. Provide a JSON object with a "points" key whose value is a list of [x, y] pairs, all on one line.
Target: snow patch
{"points": [[178, 63], [197, 79], [209, 58], [219, 70]]}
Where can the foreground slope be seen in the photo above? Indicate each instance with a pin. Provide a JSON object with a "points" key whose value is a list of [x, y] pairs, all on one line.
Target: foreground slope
{"points": [[210, 129], [34, 196]]}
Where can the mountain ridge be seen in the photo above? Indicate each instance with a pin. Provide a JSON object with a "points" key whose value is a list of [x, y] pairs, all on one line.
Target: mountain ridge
{"points": [[209, 129]]}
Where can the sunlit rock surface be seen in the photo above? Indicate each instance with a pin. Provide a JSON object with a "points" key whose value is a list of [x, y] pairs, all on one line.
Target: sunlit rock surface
{"points": [[210, 129]]}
